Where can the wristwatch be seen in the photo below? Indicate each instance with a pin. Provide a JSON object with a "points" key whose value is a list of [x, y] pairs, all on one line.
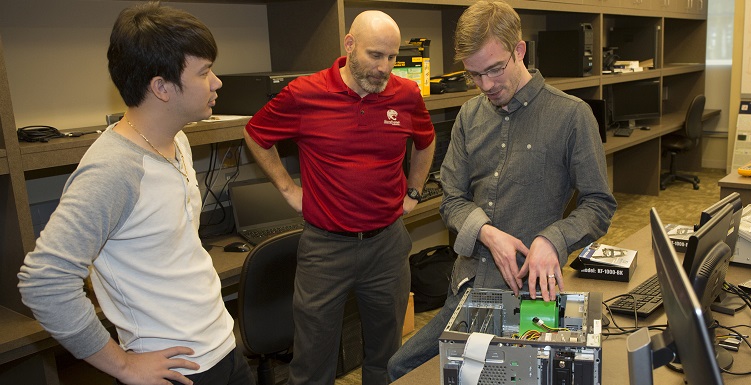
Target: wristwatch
{"points": [[414, 194]]}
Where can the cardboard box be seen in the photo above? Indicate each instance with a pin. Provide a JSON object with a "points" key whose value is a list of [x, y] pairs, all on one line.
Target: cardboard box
{"points": [[600, 261], [423, 46], [409, 64], [409, 318], [679, 235], [413, 62]]}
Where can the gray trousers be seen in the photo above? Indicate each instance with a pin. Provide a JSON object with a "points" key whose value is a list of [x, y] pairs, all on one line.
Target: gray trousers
{"points": [[328, 267]]}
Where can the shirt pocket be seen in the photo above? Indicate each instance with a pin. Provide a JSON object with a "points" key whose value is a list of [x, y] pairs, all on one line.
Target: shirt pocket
{"points": [[526, 167]]}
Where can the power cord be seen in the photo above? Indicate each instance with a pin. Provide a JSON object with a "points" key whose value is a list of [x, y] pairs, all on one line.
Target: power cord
{"points": [[45, 133]]}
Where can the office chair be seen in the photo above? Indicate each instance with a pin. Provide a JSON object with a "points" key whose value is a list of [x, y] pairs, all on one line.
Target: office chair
{"points": [[265, 301], [675, 144]]}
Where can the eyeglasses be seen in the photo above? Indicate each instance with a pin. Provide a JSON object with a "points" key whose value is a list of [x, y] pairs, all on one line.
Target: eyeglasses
{"points": [[491, 73]]}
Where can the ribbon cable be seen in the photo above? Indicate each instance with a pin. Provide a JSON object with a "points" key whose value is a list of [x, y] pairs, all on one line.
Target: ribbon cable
{"points": [[475, 351]]}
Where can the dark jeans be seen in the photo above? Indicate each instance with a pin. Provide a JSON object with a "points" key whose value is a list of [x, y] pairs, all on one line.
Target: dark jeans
{"points": [[233, 369]]}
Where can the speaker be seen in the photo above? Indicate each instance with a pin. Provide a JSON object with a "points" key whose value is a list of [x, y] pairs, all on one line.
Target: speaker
{"points": [[350, 346], [566, 53]]}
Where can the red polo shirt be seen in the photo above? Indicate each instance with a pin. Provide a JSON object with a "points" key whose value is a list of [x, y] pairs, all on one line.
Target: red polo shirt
{"points": [[351, 148]]}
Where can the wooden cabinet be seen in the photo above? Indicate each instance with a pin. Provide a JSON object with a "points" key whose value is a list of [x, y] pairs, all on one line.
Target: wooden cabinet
{"points": [[306, 35]]}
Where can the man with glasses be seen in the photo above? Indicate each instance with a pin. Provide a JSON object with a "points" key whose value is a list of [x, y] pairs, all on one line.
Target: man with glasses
{"points": [[518, 153]]}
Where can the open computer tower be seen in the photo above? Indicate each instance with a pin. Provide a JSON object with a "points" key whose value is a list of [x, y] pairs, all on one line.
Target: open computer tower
{"points": [[566, 349]]}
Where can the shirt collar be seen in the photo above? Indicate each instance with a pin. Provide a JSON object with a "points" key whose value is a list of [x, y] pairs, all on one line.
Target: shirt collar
{"points": [[524, 95], [335, 83]]}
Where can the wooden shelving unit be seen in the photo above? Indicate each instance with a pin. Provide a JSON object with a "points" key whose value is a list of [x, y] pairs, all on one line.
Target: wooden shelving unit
{"points": [[313, 43]]}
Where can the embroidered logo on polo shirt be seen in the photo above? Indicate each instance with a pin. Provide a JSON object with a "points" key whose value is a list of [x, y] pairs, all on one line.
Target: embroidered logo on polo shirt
{"points": [[391, 116]]}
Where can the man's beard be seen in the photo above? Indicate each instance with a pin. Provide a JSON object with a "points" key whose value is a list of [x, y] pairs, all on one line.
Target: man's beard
{"points": [[370, 85]]}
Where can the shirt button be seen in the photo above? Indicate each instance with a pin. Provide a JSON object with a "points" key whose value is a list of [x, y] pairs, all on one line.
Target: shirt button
{"points": [[483, 260], [506, 118], [362, 112], [496, 173], [529, 146], [490, 203], [525, 104], [503, 145]]}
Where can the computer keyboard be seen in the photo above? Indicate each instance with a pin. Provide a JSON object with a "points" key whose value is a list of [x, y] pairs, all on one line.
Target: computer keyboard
{"points": [[623, 132], [431, 192], [647, 296], [271, 231]]}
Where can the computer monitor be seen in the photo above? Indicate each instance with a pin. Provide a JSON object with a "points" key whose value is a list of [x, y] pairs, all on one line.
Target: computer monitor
{"points": [[708, 257], [686, 336], [442, 140], [635, 100], [725, 303], [600, 111], [733, 199]]}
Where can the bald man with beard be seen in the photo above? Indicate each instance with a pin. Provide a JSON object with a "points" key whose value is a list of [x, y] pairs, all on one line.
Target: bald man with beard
{"points": [[351, 123]]}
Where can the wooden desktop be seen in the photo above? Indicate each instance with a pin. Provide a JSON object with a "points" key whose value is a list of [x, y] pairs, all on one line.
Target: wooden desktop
{"points": [[614, 357], [634, 162]]}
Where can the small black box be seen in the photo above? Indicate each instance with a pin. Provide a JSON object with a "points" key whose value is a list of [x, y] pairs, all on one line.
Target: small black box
{"points": [[591, 263]]}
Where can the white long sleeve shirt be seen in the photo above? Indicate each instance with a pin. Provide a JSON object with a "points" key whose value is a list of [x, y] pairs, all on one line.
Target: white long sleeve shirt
{"points": [[134, 217]]}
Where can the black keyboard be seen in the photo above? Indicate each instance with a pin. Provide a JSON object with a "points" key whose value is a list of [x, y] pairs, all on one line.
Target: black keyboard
{"points": [[431, 192], [254, 234], [625, 132], [647, 296]]}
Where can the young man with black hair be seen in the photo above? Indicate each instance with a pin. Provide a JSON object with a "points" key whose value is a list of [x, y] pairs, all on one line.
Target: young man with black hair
{"points": [[130, 211]]}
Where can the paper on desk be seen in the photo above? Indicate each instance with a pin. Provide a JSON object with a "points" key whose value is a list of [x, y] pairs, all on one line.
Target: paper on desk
{"points": [[742, 148], [219, 118]]}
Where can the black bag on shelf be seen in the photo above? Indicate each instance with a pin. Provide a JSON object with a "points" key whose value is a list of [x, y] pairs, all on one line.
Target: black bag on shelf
{"points": [[431, 271]]}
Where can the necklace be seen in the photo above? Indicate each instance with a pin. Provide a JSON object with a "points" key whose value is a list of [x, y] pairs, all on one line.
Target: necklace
{"points": [[182, 160]]}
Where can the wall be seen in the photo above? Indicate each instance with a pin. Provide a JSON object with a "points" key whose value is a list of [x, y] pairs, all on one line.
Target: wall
{"points": [[55, 52], [715, 140], [735, 76]]}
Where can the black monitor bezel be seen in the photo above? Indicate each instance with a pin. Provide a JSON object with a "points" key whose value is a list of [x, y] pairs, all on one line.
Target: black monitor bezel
{"points": [[616, 96], [684, 313]]}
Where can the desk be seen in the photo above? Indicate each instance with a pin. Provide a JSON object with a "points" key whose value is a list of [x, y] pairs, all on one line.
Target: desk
{"points": [[735, 182], [615, 361], [634, 162], [25, 354]]}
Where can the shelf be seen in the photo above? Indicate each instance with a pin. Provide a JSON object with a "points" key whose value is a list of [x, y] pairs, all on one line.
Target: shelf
{"points": [[630, 76], [565, 84], [67, 151], [451, 99], [21, 336], [682, 68]]}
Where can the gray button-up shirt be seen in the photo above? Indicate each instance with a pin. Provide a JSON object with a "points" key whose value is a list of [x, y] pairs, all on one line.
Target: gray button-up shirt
{"points": [[517, 170]]}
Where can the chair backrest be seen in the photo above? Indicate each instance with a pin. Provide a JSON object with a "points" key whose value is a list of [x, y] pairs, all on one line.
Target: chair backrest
{"points": [[265, 294], [693, 117]]}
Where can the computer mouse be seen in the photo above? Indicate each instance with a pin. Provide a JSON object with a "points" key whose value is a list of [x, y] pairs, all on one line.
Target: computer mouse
{"points": [[646, 128], [237, 247]]}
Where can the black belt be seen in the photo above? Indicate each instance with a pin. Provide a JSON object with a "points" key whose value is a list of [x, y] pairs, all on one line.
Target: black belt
{"points": [[358, 235]]}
